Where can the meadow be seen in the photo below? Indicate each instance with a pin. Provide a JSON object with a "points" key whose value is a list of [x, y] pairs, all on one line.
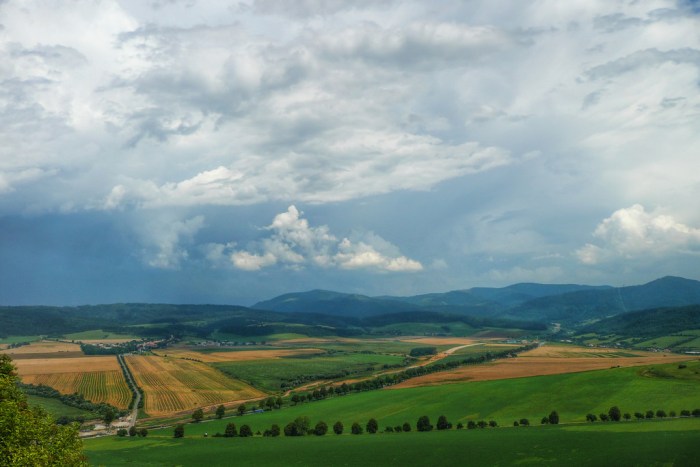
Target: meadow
{"points": [[669, 442], [572, 395], [276, 374]]}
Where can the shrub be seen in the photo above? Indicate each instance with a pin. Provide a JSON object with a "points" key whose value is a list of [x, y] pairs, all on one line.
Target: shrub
{"points": [[356, 429], [338, 428], [245, 431], [179, 431]]}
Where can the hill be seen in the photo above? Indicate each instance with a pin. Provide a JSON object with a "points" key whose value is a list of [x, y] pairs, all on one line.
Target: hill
{"points": [[648, 323]]}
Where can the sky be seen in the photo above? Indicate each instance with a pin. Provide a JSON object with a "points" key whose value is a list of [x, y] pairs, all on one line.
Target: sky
{"points": [[228, 152]]}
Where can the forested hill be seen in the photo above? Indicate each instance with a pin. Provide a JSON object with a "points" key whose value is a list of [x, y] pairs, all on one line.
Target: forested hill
{"points": [[650, 323]]}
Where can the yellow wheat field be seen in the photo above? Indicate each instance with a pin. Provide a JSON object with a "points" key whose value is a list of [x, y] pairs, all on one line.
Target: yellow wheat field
{"points": [[45, 349], [98, 378], [173, 384]]}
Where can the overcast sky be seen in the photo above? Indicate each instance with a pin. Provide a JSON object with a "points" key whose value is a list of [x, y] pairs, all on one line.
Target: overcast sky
{"points": [[214, 152]]}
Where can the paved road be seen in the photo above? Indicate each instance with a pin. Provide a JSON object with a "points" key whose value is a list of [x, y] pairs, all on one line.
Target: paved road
{"points": [[130, 380]]}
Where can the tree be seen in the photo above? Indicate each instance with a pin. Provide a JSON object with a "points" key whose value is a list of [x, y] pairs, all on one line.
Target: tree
{"points": [[471, 425], [372, 426], [638, 415], [615, 413], [696, 412], [295, 399], [270, 403], [299, 427], [121, 432], [591, 417], [604, 417], [356, 429], [275, 430], [406, 427], [320, 429], [132, 431], [553, 418], [28, 435], [241, 409], [179, 431], [685, 413], [515, 423], [493, 424], [220, 412], [627, 416], [143, 432], [460, 425], [230, 430], [245, 431], [544, 421], [423, 424], [443, 424], [108, 416], [279, 402], [672, 413], [649, 414], [524, 422], [338, 428], [198, 415], [660, 414]]}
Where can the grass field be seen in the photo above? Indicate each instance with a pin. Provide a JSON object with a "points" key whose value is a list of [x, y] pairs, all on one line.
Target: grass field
{"points": [[270, 374], [573, 395], [172, 385], [98, 335], [621, 444], [57, 408]]}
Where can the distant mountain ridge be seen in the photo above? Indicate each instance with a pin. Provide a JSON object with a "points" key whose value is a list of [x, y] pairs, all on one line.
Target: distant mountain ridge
{"points": [[566, 303]]}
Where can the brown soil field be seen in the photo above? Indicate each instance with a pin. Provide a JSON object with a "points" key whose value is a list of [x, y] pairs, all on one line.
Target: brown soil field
{"points": [[173, 385], [236, 355], [44, 347], [521, 367], [570, 351]]}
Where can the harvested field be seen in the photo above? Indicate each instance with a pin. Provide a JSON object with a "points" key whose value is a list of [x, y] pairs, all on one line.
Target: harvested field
{"points": [[45, 349], [524, 366], [236, 355], [40, 366], [173, 384], [557, 351], [98, 379]]}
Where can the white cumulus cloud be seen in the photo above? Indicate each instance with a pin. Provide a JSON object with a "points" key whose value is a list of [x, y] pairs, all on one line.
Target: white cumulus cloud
{"points": [[295, 244], [633, 233]]}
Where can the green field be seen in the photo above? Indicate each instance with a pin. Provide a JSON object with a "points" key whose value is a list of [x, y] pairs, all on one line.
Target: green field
{"points": [[573, 395], [58, 409], [418, 329], [15, 339], [672, 442], [270, 374], [97, 334]]}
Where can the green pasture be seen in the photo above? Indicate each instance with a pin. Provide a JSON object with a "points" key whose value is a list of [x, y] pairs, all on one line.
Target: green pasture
{"points": [[672, 442], [428, 329], [57, 408], [15, 339], [662, 342], [269, 374], [98, 334], [572, 395]]}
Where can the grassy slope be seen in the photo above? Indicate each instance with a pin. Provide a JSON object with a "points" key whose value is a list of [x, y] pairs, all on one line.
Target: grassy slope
{"points": [[633, 443], [58, 409], [572, 395]]}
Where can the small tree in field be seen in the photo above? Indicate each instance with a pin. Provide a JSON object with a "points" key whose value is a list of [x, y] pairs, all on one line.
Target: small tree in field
{"points": [[591, 417], [443, 424], [638, 415], [553, 418], [615, 414], [524, 422], [230, 430], [320, 429], [220, 411], [423, 424], [627, 416], [143, 432], [241, 409], [132, 431], [356, 429], [660, 414], [198, 415], [372, 426], [245, 431], [179, 431], [338, 428], [406, 427]]}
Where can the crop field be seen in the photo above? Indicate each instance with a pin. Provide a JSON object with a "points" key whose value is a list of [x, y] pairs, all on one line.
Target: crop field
{"points": [[172, 385], [573, 395], [570, 351], [100, 336], [471, 350], [97, 378], [646, 443], [235, 355], [662, 342], [45, 349], [271, 374], [530, 364]]}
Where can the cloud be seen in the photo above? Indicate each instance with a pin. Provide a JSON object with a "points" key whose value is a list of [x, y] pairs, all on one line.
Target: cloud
{"points": [[633, 233], [163, 240], [295, 244]]}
